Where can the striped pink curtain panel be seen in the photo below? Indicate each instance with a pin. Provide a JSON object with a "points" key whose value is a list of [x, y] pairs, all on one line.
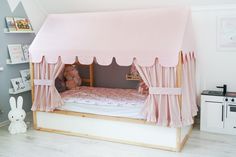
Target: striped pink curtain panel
{"points": [[46, 97], [189, 95], [162, 108], [162, 105]]}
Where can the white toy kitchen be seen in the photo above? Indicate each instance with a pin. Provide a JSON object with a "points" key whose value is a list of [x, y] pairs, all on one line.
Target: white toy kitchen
{"points": [[218, 111]]}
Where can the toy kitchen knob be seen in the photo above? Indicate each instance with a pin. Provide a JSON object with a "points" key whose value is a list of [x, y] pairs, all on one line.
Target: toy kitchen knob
{"points": [[232, 100]]}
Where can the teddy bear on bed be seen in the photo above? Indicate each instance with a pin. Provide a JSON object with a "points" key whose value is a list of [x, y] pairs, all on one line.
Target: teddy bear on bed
{"points": [[72, 77]]}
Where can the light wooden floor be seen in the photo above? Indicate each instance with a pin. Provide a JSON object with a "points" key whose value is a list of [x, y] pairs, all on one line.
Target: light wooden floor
{"points": [[43, 144]]}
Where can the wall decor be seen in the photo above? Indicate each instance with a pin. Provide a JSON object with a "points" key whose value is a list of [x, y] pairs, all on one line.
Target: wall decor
{"points": [[22, 24], [16, 53], [18, 24], [17, 84], [25, 48], [226, 33], [13, 4], [25, 75], [9, 69], [10, 24]]}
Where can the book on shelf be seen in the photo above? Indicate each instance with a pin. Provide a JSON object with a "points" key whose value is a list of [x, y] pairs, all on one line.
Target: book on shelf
{"points": [[25, 48], [10, 24], [16, 53], [17, 84], [18, 24], [22, 24], [25, 75]]}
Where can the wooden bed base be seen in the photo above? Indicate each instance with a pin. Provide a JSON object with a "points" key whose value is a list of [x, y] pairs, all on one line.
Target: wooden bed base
{"points": [[115, 129]]}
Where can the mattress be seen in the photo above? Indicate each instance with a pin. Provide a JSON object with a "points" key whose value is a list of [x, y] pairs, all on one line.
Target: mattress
{"points": [[104, 101]]}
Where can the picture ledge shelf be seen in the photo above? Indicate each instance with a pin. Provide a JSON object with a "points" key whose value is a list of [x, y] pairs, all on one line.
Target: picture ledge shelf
{"points": [[10, 62], [7, 31], [11, 91]]}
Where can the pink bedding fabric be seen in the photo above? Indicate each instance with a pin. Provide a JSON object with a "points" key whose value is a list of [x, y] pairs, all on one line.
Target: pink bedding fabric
{"points": [[106, 96]]}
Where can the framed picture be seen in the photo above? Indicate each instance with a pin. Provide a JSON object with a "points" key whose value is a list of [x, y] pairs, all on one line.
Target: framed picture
{"points": [[25, 75], [10, 24], [16, 53], [22, 24], [17, 84], [226, 33], [25, 48]]}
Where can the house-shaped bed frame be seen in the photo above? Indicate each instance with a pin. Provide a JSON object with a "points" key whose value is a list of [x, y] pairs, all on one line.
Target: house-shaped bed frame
{"points": [[154, 39]]}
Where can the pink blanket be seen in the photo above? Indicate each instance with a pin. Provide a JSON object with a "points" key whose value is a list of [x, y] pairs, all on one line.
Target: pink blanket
{"points": [[104, 96]]}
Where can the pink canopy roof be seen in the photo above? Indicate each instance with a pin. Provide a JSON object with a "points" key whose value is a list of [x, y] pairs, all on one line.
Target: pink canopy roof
{"points": [[141, 34]]}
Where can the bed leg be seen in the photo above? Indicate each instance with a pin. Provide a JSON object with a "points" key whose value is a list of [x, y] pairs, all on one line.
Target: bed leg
{"points": [[32, 94]]}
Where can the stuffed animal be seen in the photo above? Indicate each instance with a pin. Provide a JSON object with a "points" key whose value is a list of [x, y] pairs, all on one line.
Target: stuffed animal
{"points": [[17, 116], [60, 82], [72, 77]]}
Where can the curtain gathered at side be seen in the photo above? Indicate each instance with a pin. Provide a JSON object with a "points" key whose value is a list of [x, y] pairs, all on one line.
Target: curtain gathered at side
{"points": [[163, 106], [46, 96]]}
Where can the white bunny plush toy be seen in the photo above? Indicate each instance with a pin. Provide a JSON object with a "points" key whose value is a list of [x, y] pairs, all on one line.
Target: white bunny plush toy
{"points": [[16, 116]]}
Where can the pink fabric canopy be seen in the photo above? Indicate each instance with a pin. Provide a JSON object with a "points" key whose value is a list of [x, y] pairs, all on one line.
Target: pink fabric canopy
{"points": [[142, 34], [153, 37]]}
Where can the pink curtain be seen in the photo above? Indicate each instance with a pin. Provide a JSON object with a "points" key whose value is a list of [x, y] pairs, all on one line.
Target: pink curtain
{"points": [[189, 106], [46, 96], [163, 108]]}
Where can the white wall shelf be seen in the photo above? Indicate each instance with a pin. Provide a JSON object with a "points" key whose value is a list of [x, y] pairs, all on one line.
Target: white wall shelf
{"points": [[11, 91], [9, 62], [7, 31]]}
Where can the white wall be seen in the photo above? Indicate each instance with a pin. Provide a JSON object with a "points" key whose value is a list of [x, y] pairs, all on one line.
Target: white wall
{"points": [[64, 6], [213, 67], [36, 13]]}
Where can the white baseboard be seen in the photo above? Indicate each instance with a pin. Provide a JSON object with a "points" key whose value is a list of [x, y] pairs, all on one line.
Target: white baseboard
{"points": [[4, 123]]}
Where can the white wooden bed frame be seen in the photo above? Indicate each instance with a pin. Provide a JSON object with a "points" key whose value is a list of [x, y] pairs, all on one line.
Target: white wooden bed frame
{"points": [[116, 129]]}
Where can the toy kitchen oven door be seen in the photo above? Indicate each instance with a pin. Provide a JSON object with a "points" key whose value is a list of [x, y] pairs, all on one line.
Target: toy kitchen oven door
{"points": [[230, 115]]}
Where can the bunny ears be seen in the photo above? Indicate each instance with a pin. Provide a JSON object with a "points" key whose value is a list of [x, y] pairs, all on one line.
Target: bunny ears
{"points": [[12, 102]]}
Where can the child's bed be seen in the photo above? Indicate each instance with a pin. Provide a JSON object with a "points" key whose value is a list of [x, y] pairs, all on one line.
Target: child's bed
{"points": [[160, 40]]}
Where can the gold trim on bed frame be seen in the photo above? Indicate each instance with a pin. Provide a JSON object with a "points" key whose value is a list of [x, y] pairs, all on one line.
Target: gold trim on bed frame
{"points": [[178, 85]]}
